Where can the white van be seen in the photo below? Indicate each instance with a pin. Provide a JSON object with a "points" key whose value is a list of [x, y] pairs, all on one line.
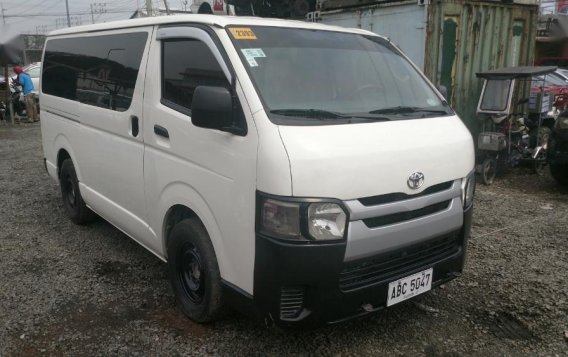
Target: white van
{"points": [[302, 173]]}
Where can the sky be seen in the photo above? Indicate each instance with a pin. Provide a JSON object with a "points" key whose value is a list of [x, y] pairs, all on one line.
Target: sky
{"points": [[41, 16]]}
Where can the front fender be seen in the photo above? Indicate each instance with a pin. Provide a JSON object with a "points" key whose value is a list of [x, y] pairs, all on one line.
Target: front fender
{"points": [[180, 193]]}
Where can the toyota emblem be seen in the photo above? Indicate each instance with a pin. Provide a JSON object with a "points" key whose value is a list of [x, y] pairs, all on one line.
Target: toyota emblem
{"points": [[415, 180]]}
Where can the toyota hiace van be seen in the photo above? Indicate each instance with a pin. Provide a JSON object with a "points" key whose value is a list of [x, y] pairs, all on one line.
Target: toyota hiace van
{"points": [[301, 173]]}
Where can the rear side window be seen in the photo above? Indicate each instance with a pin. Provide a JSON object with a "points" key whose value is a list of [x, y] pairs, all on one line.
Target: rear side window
{"points": [[187, 64], [95, 70]]}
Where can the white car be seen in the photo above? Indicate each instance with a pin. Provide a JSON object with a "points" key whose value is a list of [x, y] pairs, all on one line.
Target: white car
{"points": [[34, 71]]}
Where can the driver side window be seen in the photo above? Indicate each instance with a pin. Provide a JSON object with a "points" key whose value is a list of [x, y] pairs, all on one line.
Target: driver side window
{"points": [[187, 64]]}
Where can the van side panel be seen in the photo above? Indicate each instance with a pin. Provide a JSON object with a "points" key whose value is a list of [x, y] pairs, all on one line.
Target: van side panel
{"points": [[213, 173], [90, 115], [113, 156]]}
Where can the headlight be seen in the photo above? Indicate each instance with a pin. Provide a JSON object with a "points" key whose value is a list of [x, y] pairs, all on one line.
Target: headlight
{"points": [[280, 219], [326, 221], [301, 221], [468, 189]]}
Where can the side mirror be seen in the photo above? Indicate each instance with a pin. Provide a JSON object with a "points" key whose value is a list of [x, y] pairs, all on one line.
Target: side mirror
{"points": [[212, 108], [443, 91]]}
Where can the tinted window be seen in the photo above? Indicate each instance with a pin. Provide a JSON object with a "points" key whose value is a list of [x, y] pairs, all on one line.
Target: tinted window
{"points": [[96, 70], [187, 64]]}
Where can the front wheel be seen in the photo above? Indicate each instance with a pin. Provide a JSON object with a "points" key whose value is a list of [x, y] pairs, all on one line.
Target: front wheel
{"points": [[560, 173], [194, 272], [488, 170]]}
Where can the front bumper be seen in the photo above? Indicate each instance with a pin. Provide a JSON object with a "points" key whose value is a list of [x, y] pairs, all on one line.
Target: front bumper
{"points": [[309, 285]]}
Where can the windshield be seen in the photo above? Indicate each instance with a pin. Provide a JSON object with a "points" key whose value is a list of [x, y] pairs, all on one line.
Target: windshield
{"points": [[496, 95], [322, 75]]}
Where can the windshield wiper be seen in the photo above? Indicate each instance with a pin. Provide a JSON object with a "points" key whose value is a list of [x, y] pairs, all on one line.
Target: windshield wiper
{"points": [[326, 114], [407, 110], [310, 113]]}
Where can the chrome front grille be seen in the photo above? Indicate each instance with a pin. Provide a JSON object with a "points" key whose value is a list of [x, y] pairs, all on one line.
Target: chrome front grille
{"points": [[399, 220], [406, 216], [400, 196]]}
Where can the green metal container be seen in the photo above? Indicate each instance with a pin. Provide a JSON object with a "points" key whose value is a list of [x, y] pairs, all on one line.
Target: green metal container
{"points": [[465, 37]]}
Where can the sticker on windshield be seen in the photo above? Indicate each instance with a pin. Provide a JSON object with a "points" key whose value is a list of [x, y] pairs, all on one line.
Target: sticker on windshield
{"points": [[252, 62], [251, 54], [242, 33]]}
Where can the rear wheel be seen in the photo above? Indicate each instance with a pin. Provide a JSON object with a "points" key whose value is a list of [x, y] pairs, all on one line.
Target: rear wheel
{"points": [[194, 272], [73, 202], [488, 170], [560, 173]]}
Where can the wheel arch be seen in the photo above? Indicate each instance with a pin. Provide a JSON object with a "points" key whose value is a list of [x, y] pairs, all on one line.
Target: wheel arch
{"points": [[64, 151], [180, 201]]}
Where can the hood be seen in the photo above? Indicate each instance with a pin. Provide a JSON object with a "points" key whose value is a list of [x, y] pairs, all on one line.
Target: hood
{"points": [[359, 160]]}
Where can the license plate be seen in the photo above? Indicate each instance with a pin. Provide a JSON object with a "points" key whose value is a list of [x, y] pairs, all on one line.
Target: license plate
{"points": [[410, 286]]}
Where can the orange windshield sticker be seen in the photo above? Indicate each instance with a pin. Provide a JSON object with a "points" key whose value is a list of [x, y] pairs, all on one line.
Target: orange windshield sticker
{"points": [[242, 33]]}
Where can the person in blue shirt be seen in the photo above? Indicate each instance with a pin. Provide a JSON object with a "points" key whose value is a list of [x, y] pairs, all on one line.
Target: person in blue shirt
{"points": [[27, 86]]}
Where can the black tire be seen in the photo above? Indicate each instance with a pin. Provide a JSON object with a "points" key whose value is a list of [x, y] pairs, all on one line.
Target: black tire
{"points": [[194, 272], [488, 170], [560, 173], [72, 200]]}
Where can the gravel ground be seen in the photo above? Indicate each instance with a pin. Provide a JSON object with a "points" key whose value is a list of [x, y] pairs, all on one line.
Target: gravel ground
{"points": [[69, 290]]}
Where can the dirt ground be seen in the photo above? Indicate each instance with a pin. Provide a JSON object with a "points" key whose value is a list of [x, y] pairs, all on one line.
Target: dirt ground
{"points": [[69, 290]]}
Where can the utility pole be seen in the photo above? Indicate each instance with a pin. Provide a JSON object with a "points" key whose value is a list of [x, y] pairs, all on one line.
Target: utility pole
{"points": [[67, 7], [92, 14], [149, 8], [3, 13], [167, 7]]}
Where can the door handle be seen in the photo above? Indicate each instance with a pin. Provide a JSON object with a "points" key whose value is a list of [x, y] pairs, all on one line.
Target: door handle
{"points": [[135, 127], [160, 130]]}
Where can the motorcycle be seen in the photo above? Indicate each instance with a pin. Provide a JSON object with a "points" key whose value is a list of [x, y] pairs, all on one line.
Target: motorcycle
{"points": [[16, 99], [510, 136]]}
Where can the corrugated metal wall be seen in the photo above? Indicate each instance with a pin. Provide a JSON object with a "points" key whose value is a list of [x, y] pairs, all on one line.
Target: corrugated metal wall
{"points": [[404, 23], [465, 37]]}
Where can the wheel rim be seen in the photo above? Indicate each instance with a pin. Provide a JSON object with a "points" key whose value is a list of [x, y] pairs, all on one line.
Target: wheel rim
{"points": [[69, 189], [190, 270]]}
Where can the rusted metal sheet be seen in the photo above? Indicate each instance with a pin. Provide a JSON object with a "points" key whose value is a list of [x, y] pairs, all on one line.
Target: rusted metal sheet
{"points": [[465, 37]]}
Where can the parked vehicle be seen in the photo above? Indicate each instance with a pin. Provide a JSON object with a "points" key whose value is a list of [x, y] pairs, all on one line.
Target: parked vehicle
{"points": [[510, 135], [17, 101], [557, 86], [301, 173], [34, 71], [558, 149]]}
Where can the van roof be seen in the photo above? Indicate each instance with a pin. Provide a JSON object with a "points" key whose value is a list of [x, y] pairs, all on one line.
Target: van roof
{"points": [[215, 20]]}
